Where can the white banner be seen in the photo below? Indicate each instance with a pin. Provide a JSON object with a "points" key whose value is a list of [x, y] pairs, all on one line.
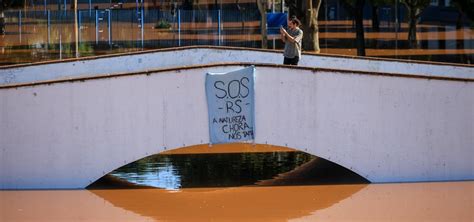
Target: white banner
{"points": [[230, 100]]}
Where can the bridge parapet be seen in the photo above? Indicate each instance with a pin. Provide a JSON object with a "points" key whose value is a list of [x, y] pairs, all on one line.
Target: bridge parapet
{"points": [[199, 55]]}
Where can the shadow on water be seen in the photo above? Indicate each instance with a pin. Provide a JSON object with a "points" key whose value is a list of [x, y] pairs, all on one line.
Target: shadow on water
{"points": [[204, 170]]}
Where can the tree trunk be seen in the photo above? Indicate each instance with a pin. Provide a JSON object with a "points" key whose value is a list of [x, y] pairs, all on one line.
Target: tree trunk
{"points": [[460, 45], [241, 12], [375, 18], [412, 42], [2, 20], [263, 12], [360, 39], [459, 20], [310, 26]]}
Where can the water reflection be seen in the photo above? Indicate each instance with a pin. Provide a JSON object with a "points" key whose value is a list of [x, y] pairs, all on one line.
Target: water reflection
{"points": [[171, 171], [156, 174], [235, 204]]}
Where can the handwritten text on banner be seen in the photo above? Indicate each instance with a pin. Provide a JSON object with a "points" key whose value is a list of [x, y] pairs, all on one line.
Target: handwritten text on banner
{"points": [[230, 99]]}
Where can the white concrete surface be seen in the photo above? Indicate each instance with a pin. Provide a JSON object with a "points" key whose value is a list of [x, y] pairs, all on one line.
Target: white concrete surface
{"points": [[386, 129], [204, 55]]}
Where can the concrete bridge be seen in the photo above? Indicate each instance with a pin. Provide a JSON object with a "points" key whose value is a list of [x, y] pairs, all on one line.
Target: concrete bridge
{"points": [[198, 55], [385, 126]]}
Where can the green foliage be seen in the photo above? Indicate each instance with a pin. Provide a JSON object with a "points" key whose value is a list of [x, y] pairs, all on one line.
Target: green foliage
{"points": [[86, 49], [162, 24], [8, 4]]}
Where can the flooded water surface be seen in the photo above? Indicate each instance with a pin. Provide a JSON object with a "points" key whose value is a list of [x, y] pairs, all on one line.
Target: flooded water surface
{"points": [[240, 182], [34, 34], [449, 201]]}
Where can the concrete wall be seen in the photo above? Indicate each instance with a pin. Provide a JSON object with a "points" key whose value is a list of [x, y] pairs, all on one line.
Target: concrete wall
{"points": [[205, 55], [385, 128]]}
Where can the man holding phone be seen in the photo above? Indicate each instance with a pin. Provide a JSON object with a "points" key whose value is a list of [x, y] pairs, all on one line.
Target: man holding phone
{"points": [[292, 38]]}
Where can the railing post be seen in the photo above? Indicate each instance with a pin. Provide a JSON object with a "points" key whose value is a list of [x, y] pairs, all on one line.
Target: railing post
{"points": [[60, 46], [142, 25], [136, 1], [396, 28], [326, 18], [109, 26], [79, 25], [19, 24], [77, 29], [49, 27], [219, 25], [96, 27], [179, 27]]}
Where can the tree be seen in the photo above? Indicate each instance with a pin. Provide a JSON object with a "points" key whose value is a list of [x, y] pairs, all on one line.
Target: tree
{"points": [[307, 11], [310, 25], [4, 5], [241, 12], [357, 6], [415, 8], [2, 19], [465, 8], [375, 12], [375, 16], [262, 8]]}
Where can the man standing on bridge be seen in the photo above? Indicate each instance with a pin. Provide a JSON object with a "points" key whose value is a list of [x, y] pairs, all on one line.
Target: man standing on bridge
{"points": [[292, 39]]}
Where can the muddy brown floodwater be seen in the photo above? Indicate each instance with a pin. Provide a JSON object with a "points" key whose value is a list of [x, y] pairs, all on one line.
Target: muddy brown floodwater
{"points": [[440, 201]]}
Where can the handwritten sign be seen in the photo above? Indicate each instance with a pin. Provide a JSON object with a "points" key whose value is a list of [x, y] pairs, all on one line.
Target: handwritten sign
{"points": [[230, 100]]}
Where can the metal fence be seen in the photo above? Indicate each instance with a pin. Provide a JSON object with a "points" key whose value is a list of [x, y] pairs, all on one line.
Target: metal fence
{"points": [[131, 28]]}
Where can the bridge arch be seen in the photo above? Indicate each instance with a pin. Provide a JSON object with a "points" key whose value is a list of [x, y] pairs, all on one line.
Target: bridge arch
{"points": [[314, 169], [385, 127]]}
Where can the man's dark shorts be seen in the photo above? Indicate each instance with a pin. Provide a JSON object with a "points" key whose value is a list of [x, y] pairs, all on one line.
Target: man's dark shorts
{"points": [[292, 61]]}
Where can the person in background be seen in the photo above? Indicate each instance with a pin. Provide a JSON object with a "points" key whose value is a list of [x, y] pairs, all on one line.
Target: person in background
{"points": [[292, 38]]}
